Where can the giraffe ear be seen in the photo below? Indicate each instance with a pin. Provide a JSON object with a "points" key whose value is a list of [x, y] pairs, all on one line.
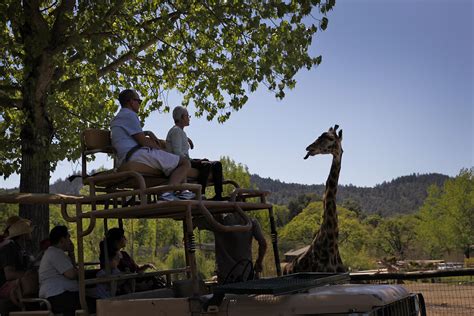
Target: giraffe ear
{"points": [[340, 134]]}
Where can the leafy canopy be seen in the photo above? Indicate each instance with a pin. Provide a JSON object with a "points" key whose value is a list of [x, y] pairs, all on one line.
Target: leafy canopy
{"points": [[447, 216], [213, 52]]}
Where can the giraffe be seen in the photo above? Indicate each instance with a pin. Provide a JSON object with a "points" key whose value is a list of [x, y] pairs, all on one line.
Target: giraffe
{"points": [[323, 253]]}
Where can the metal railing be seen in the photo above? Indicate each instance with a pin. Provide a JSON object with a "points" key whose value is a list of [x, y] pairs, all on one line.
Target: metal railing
{"points": [[446, 293]]}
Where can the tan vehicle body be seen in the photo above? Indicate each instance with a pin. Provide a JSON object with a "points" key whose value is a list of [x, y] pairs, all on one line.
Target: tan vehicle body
{"points": [[333, 299]]}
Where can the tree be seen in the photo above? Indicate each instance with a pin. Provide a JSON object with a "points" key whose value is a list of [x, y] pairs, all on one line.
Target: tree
{"points": [[235, 171], [297, 204], [447, 216], [396, 236], [62, 63]]}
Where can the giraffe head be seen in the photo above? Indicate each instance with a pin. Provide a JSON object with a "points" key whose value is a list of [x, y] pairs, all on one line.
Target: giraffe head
{"points": [[328, 143]]}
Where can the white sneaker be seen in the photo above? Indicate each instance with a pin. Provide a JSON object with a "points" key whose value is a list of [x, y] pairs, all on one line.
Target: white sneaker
{"points": [[169, 196], [186, 195]]}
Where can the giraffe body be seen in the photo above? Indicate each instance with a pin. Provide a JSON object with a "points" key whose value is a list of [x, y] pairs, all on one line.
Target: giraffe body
{"points": [[323, 253]]}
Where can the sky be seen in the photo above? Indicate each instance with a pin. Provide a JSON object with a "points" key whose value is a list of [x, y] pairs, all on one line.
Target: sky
{"points": [[397, 77]]}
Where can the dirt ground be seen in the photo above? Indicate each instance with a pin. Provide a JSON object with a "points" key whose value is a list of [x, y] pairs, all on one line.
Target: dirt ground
{"points": [[445, 299]]}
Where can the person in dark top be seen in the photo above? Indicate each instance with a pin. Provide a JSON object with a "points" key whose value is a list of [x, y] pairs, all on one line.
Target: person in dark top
{"points": [[14, 260], [116, 240], [234, 249]]}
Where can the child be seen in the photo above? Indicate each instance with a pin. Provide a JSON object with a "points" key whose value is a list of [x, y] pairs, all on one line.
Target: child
{"points": [[103, 289]]}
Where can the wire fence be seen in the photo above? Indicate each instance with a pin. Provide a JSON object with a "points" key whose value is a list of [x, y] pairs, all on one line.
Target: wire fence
{"points": [[446, 293]]}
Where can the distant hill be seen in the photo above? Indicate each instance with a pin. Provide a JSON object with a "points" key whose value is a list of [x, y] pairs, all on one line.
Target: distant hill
{"points": [[403, 195], [66, 187], [59, 186]]}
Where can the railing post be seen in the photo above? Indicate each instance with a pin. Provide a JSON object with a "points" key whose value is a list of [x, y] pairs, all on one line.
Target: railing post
{"points": [[190, 248], [274, 236], [80, 257]]}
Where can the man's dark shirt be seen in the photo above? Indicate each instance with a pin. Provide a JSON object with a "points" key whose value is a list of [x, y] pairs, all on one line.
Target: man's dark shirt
{"points": [[233, 250], [13, 255]]}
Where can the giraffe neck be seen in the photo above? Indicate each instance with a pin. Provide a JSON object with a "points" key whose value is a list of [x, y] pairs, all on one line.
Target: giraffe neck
{"points": [[330, 214]]}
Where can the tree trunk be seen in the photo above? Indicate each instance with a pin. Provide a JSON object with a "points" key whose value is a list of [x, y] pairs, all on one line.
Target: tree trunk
{"points": [[36, 137], [34, 178]]}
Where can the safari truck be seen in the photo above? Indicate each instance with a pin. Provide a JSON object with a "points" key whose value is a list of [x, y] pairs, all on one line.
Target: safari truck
{"points": [[132, 192]]}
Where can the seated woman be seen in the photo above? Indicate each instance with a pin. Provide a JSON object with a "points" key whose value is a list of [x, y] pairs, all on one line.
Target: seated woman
{"points": [[116, 241], [178, 143]]}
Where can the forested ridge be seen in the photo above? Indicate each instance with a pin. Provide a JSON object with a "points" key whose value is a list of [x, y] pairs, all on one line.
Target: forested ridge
{"points": [[402, 195]]}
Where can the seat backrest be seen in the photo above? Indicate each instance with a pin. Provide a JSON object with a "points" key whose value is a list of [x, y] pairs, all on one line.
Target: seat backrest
{"points": [[95, 141]]}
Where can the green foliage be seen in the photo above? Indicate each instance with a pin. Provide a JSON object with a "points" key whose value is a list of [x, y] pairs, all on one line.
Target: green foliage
{"points": [[74, 56], [447, 216], [299, 232], [396, 236], [353, 235], [6, 210], [175, 258], [236, 172], [297, 204]]}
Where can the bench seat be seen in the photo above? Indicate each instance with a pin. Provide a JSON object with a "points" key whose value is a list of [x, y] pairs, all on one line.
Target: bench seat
{"points": [[131, 175]]}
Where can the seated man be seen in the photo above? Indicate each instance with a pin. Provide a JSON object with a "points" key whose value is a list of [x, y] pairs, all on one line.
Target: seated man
{"points": [[178, 143], [14, 260], [131, 143], [58, 274], [10, 221], [234, 250]]}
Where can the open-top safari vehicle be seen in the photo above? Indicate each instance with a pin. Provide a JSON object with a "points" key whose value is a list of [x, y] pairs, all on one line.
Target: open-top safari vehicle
{"points": [[131, 192]]}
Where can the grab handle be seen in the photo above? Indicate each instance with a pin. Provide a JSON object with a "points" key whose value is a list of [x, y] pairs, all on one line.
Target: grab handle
{"points": [[216, 226]]}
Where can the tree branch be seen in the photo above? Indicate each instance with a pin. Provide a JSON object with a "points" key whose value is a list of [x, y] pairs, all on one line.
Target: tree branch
{"points": [[6, 102], [34, 21], [68, 84], [8, 87], [61, 20], [93, 28]]}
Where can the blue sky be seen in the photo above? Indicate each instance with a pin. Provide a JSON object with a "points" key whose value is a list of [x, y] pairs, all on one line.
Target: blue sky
{"points": [[397, 76]]}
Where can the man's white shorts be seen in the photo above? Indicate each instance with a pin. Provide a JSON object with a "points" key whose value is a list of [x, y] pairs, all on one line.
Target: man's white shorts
{"points": [[156, 158]]}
